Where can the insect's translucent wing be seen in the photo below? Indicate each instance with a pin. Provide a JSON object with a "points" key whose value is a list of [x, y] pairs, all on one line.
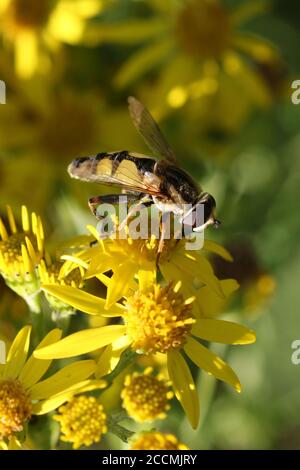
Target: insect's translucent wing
{"points": [[106, 171], [149, 130]]}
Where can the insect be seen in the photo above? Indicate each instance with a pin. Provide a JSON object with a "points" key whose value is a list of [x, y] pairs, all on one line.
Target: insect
{"points": [[146, 180]]}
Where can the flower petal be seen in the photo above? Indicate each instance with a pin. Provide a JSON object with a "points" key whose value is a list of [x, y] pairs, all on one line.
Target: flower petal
{"points": [[120, 281], [34, 368], [50, 404], [184, 386], [17, 354], [217, 249], [110, 356], [82, 300], [211, 363], [100, 263], [221, 331], [147, 277], [81, 342], [210, 304], [63, 379], [194, 267]]}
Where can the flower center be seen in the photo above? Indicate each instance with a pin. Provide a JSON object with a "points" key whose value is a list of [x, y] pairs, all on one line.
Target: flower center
{"points": [[15, 408], [157, 441], [203, 28], [159, 319], [82, 421], [30, 13], [11, 248], [145, 397]]}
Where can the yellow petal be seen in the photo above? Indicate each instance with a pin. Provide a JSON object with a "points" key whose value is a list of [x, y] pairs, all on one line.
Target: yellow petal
{"points": [[258, 49], [100, 263], [142, 61], [211, 363], [110, 356], [81, 342], [131, 32], [147, 277], [220, 331], [17, 354], [214, 247], [120, 281], [82, 300], [212, 304], [195, 268], [184, 386], [3, 231], [34, 368], [50, 404], [63, 379], [11, 220]]}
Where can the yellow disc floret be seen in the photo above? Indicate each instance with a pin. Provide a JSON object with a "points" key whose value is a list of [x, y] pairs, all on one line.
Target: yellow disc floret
{"points": [[145, 397], [15, 408], [82, 420], [159, 319], [157, 441]]}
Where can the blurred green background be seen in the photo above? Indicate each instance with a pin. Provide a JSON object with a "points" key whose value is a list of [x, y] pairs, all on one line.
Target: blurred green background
{"points": [[217, 76]]}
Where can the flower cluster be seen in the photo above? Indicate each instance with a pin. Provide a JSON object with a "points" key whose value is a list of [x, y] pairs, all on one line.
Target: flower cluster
{"points": [[149, 309]]}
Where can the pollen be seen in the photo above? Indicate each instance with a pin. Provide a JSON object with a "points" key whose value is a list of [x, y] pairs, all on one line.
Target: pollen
{"points": [[157, 441], [82, 420], [159, 319], [145, 397], [15, 408]]}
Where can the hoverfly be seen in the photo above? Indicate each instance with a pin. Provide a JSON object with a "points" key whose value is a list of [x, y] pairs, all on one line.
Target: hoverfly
{"points": [[146, 180]]}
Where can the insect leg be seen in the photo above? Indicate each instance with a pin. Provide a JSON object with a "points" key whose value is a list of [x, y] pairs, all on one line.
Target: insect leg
{"points": [[144, 200], [114, 199]]}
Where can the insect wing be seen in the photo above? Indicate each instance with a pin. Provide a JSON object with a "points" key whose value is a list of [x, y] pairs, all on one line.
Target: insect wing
{"points": [[108, 171], [149, 130]]}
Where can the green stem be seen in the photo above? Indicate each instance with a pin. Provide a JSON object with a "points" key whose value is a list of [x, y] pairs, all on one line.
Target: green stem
{"points": [[122, 433], [126, 359]]}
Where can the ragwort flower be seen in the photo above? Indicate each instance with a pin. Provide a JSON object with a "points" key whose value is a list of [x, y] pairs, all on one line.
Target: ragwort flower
{"points": [[146, 397], [82, 420], [126, 257], [157, 441], [155, 319], [20, 253], [23, 393]]}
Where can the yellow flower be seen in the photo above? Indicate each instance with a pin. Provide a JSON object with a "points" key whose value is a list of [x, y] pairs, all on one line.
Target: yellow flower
{"points": [[145, 397], [49, 272], [155, 319], [126, 257], [20, 252], [157, 441], [82, 420], [23, 393], [201, 47], [36, 28]]}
